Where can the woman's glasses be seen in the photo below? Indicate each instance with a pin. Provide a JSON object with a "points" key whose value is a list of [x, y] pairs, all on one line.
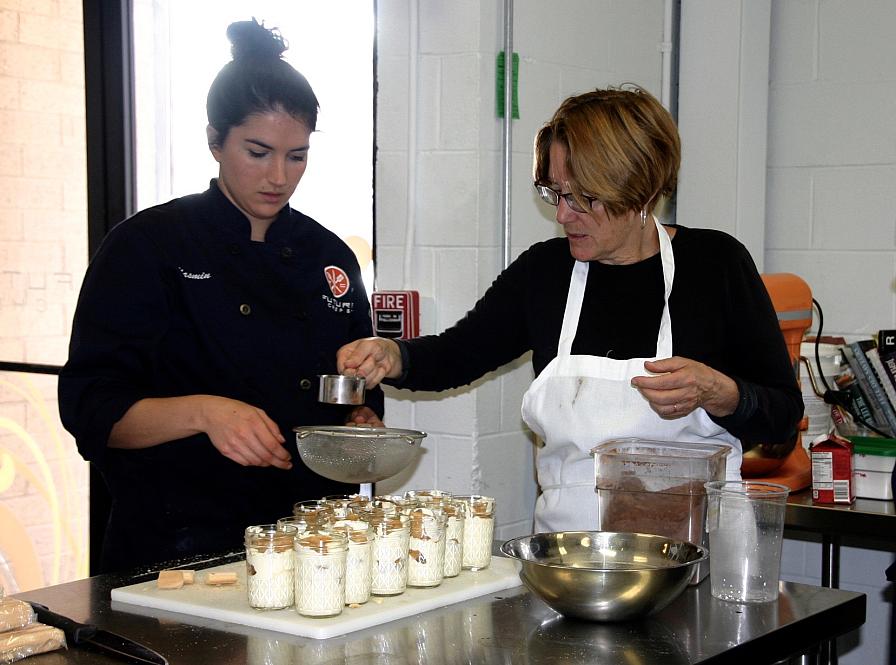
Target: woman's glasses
{"points": [[552, 197]]}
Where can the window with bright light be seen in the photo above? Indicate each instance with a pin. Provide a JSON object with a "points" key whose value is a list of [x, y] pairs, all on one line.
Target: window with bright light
{"points": [[179, 47]]}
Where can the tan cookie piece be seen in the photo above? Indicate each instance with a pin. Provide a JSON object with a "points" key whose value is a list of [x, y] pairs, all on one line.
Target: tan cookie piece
{"points": [[220, 579], [170, 579]]}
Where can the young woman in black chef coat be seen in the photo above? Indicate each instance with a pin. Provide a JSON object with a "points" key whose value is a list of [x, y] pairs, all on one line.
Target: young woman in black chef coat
{"points": [[202, 326]]}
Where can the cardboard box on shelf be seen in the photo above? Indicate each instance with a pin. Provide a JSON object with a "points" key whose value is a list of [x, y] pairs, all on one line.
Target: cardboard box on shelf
{"points": [[832, 470]]}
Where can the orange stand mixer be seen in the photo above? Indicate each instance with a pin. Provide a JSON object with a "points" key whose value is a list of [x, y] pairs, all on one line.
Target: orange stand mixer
{"points": [[779, 463]]}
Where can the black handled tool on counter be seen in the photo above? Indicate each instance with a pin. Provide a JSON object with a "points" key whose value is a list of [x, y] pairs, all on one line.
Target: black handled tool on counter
{"points": [[88, 636]]}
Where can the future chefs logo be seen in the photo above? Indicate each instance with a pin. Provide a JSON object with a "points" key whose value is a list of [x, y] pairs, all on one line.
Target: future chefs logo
{"points": [[339, 284], [337, 279]]}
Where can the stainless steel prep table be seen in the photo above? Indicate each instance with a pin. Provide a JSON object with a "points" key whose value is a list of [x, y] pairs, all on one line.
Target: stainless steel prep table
{"points": [[506, 627], [870, 521]]}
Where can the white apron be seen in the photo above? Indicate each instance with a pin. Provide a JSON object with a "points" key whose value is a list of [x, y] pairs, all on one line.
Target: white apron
{"points": [[578, 402]]}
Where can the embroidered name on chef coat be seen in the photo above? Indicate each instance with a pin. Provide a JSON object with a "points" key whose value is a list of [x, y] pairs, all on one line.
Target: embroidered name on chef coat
{"points": [[194, 275]]}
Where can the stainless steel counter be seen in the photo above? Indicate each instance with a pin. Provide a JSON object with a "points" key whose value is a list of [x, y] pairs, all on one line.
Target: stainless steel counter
{"points": [[868, 521], [505, 627]]}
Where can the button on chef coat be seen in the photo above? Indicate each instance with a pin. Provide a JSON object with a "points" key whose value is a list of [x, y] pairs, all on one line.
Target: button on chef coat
{"points": [[180, 301]]}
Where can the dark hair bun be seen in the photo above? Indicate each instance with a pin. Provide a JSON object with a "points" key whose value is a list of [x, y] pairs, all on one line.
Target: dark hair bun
{"points": [[252, 41]]}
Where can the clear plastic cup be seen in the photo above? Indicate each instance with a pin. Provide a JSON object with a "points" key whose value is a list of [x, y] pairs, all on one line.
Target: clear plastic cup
{"points": [[745, 521]]}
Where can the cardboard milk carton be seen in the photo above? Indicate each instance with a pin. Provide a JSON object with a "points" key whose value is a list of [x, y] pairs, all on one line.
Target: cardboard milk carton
{"points": [[832, 470]]}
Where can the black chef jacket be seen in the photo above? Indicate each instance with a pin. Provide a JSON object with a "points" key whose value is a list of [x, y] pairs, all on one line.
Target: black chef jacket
{"points": [[179, 301]]}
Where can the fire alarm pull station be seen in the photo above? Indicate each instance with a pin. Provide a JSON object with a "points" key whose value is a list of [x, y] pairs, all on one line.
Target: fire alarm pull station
{"points": [[396, 314]]}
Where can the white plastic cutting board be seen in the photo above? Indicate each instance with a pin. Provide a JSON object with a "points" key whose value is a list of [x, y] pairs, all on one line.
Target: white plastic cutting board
{"points": [[229, 603]]}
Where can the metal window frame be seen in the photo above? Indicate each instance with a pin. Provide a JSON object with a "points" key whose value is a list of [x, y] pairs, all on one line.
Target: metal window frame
{"points": [[108, 85], [111, 188]]}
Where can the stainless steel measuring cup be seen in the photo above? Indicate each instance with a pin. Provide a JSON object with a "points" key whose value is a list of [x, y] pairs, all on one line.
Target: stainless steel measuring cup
{"points": [[341, 389]]}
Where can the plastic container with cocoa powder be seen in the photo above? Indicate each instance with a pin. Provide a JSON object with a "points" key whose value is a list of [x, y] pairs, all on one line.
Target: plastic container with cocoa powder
{"points": [[646, 486]]}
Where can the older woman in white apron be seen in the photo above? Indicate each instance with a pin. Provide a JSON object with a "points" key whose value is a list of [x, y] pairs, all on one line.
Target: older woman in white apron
{"points": [[672, 337], [616, 409]]}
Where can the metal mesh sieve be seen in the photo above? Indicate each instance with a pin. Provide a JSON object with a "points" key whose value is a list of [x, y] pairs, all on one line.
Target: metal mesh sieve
{"points": [[353, 454]]}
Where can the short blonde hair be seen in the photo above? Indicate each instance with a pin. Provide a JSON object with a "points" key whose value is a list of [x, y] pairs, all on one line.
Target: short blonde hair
{"points": [[622, 148]]}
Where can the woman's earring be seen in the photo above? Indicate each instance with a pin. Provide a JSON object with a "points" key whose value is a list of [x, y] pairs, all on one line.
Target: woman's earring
{"points": [[643, 217]]}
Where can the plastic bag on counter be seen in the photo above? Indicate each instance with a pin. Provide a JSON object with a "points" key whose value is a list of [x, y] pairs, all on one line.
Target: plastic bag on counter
{"points": [[28, 641], [14, 614]]}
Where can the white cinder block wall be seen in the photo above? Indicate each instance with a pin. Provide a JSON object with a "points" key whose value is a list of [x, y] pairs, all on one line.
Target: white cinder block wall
{"points": [[829, 215], [832, 157], [827, 199], [477, 441]]}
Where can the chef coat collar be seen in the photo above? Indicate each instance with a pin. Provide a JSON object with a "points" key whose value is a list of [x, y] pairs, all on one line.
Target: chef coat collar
{"points": [[234, 221]]}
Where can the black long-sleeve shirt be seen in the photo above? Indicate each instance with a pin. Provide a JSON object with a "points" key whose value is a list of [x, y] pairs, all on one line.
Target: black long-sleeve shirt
{"points": [[721, 316], [179, 301]]}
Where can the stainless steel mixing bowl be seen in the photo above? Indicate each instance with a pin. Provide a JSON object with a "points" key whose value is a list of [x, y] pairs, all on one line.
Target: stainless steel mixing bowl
{"points": [[604, 575], [357, 454]]}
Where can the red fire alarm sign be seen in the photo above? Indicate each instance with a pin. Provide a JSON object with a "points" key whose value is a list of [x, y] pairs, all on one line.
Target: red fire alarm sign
{"points": [[396, 314]]}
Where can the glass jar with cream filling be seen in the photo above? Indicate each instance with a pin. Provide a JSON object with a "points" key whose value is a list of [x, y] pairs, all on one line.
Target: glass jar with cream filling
{"points": [[269, 566], [426, 547], [479, 531], [320, 562], [344, 505], [455, 515], [316, 513], [359, 561], [391, 533]]}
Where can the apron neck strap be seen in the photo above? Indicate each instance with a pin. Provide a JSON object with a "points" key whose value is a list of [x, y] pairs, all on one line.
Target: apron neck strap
{"points": [[576, 296]]}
